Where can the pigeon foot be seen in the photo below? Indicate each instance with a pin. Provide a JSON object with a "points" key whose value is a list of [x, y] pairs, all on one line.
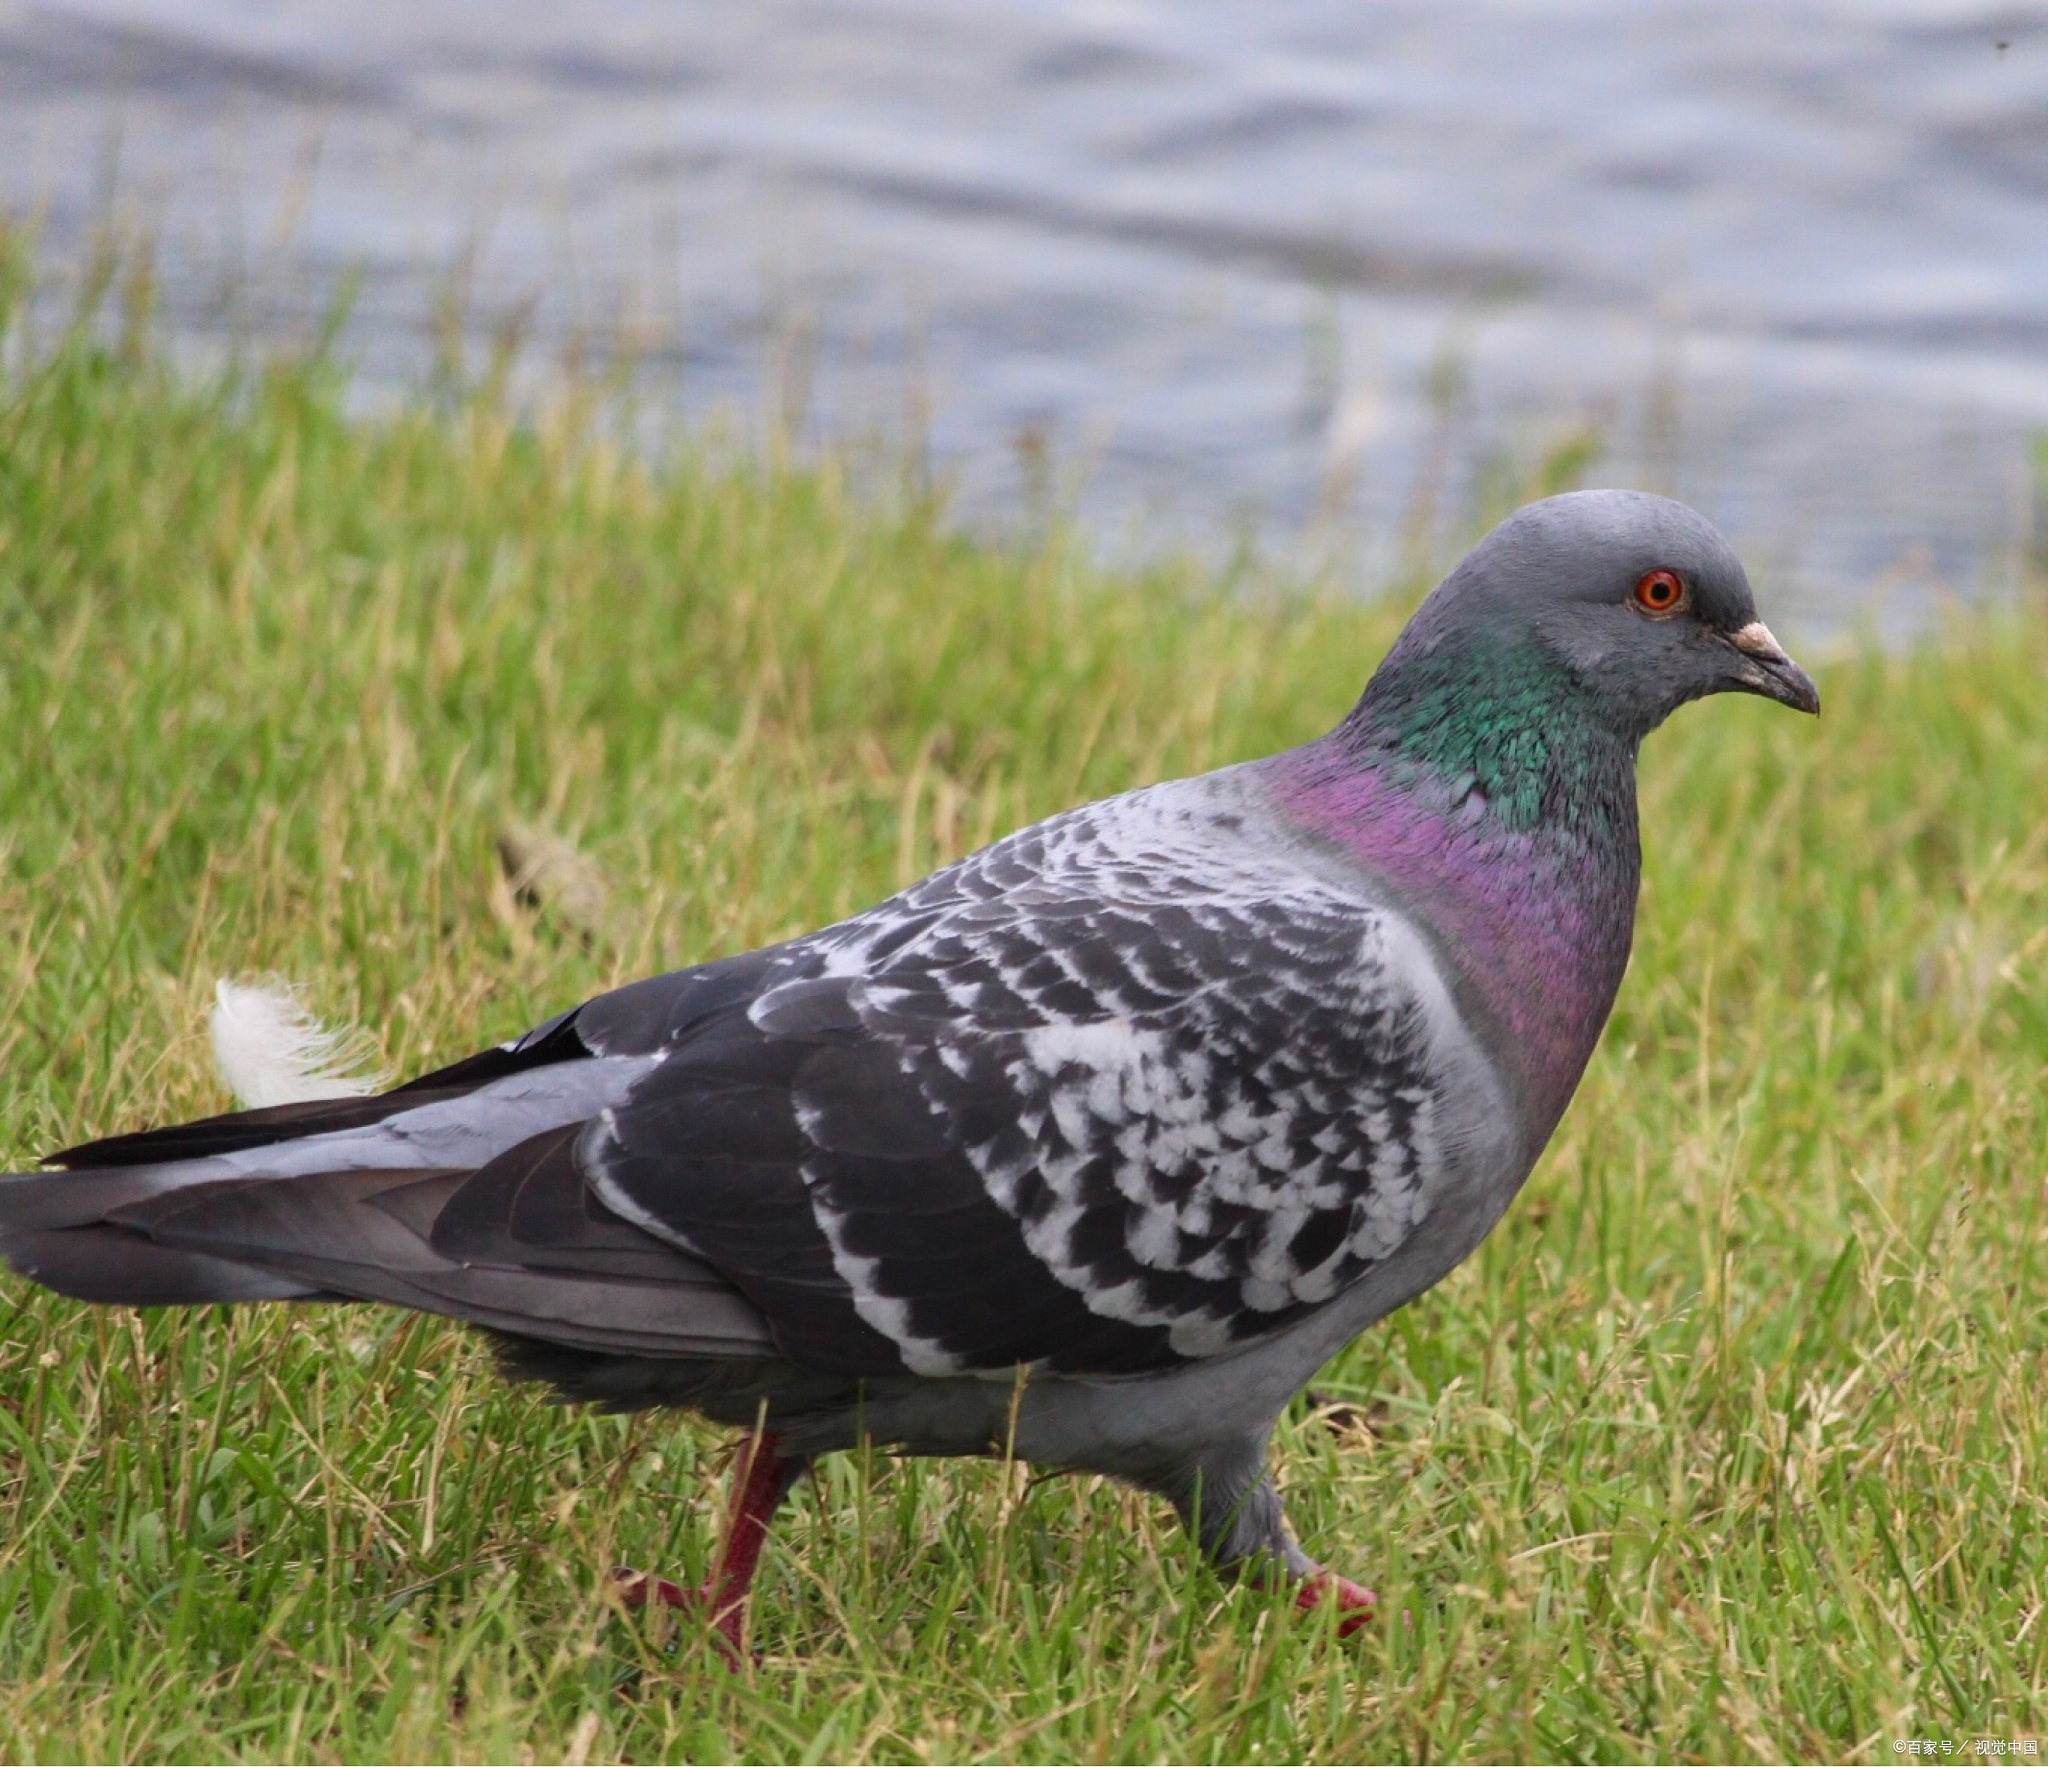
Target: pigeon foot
{"points": [[638, 1589], [1355, 1604], [762, 1478]]}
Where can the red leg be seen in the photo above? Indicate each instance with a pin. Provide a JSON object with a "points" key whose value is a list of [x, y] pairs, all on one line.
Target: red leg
{"points": [[761, 1479], [1355, 1604], [760, 1482]]}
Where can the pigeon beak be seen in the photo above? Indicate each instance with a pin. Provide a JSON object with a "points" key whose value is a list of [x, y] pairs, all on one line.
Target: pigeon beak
{"points": [[1763, 667]]}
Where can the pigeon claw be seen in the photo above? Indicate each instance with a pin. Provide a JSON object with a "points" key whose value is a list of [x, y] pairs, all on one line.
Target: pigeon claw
{"points": [[765, 1476], [1355, 1604], [639, 1589]]}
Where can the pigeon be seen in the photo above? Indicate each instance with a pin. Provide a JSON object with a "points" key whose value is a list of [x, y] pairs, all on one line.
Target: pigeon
{"points": [[1088, 1149]]}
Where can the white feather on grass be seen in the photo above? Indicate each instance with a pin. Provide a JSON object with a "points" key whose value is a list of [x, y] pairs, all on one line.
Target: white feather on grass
{"points": [[270, 1049]]}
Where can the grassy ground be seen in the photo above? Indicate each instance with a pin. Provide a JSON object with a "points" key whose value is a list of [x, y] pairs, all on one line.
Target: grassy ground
{"points": [[1730, 1443]]}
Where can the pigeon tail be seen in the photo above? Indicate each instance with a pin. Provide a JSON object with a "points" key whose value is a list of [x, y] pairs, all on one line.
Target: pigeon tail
{"points": [[455, 1243]]}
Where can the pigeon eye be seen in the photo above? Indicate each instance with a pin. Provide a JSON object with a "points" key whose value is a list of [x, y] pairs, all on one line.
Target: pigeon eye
{"points": [[1660, 593]]}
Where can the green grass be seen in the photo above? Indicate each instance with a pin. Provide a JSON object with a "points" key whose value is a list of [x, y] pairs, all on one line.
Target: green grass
{"points": [[1728, 1444]]}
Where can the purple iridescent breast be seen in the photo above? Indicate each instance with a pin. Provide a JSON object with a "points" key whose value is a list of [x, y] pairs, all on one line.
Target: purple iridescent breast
{"points": [[1533, 925]]}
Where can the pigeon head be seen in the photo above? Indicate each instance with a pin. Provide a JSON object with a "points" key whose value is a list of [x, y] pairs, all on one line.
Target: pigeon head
{"points": [[1636, 598], [1566, 636]]}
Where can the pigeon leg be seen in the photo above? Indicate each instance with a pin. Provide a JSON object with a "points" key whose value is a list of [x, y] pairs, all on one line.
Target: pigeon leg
{"points": [[761, 1480], [1229, 1505]]}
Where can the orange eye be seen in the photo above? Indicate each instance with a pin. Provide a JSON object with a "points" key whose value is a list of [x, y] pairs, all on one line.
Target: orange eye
{"points": [[1660, 593]]}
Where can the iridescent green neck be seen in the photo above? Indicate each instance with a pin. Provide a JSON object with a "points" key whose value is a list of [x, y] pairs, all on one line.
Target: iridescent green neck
{"points": [[1503, 718]]}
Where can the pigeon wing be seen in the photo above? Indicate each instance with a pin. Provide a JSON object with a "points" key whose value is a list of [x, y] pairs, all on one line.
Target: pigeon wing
{"points": [[1010, 1119]]}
